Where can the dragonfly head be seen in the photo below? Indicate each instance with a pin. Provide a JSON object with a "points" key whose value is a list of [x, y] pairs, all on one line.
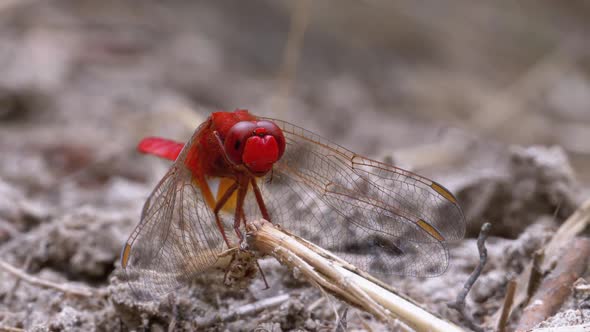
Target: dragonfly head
{"points": [[255, 144]]}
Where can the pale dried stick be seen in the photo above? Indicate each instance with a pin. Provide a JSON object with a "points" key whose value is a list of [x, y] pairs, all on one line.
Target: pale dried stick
{"points": [[341, 279], [582, 289], [581, 286], [26, 266], [65, 288], [10, 329]]}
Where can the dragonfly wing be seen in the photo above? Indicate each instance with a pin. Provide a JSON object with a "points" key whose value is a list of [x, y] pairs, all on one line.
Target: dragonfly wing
{"points": [[379, 217], [175, 240]]}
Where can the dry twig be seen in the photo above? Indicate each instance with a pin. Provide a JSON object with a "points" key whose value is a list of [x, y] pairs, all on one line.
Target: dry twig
{"points": [[575, 224], [65, 288], [582, 288], [10, 329], [459, 303], [508, 300], [537, 273], [341, 279], [26, 266], [555, 289]]}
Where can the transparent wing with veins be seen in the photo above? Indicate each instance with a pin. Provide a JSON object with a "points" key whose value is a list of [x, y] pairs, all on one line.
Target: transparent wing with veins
{"points": [[381, 218], [176, 238]]}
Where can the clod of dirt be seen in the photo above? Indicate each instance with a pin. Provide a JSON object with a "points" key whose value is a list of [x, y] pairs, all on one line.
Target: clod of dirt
{"points": [[208, 296], [17, 213], [525, 184], [68, 319], [519, 252], [83, 244]]}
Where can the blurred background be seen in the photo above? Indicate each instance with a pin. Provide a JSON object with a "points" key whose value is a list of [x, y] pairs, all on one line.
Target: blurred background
{"points": [[451, 89], [374, 76]]}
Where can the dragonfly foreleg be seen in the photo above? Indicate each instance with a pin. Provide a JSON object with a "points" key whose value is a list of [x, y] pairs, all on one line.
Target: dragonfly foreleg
{"points": [[260, 200], [239, 213], [219, 205]]}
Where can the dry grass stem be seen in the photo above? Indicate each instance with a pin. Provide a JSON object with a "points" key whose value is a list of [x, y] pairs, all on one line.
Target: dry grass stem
{"points": [[341, 279], [65, 288], [507, 306], [17, 282], [10, 329], [537, 273], [582, 286]]}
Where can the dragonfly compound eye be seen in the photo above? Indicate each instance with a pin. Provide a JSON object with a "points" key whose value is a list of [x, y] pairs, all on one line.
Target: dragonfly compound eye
{"points": [[273, 130], [235, 141], [264, 148], [256, 144]]}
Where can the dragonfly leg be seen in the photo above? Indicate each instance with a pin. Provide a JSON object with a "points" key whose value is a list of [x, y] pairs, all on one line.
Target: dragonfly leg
{"points": [[239, 213], [219, 205], [260, 200]]}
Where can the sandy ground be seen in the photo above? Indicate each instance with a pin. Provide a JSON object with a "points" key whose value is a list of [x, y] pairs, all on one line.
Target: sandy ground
{"points": [[492, 100]]}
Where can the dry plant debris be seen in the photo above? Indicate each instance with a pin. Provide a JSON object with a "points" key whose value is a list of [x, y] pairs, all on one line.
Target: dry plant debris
{"points": [[65, 288], [563, 238], [459, 303], [345, 281], [557, 286]]}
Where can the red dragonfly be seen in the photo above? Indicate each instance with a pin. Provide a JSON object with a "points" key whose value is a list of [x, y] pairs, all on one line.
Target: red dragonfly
{"points": [[238, 167]]}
